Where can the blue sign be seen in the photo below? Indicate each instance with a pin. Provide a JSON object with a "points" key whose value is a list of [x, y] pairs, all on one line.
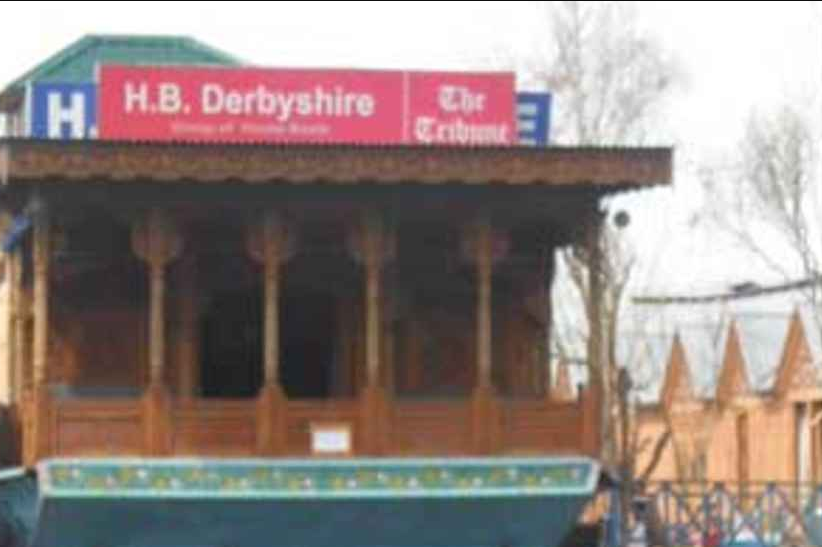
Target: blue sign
{"points": [[534, 118], [63, 111]]}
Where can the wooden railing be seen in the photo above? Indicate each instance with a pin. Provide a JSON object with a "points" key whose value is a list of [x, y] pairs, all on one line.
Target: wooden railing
{"points": [[541, 426], [97, 428], [431, 428], [381, 427], [213, 427]]}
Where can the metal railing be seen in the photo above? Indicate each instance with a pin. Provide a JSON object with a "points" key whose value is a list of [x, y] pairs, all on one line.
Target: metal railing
{"points": [[721, 514]]}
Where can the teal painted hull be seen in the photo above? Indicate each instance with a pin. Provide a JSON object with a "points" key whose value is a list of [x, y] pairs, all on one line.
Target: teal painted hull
{"points": [[495, 502], [418, 523]]}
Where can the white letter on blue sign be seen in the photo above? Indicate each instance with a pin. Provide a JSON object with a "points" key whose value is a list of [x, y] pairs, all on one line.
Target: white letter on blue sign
{"points": [[74, 115]]}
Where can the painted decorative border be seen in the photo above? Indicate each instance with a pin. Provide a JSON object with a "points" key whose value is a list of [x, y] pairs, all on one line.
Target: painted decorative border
{"points": [[299, 479]]}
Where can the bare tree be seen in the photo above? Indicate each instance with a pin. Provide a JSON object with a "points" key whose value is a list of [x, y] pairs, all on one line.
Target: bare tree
{"points": [[768, 199], [608, 81]]}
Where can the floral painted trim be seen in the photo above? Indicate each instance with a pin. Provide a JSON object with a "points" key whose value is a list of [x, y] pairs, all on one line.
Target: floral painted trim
{"points": [[310, 479]]}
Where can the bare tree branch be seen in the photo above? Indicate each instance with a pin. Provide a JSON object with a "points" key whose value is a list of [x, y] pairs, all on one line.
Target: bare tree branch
{"points": [[773, 189], [608, 83], [656, 457]]}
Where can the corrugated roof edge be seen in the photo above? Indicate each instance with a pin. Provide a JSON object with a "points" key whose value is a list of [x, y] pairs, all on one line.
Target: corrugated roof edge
{"points": [[536, 150]]}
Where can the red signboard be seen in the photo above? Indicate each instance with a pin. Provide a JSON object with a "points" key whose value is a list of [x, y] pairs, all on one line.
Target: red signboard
{"points": [[245, 105]]}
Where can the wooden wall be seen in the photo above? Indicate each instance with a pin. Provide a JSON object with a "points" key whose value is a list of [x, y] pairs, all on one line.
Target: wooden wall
{"points": [[739, 435], [98, 341]]}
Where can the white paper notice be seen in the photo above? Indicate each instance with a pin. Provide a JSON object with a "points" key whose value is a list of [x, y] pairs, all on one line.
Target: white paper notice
{"points": [[331, 440]]}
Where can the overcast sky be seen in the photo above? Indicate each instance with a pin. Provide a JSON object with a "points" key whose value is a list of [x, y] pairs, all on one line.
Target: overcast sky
{"points": [[736, 56]]}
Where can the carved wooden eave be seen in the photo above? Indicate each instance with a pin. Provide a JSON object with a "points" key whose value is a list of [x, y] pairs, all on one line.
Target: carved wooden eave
{"points": [[677, 388], [604, 170], [733, 382]]}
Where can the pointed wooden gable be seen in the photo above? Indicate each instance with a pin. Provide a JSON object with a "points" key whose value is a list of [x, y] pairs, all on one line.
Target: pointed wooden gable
{"points": [[563, 390], [677, 386], [796, 367], [733, 378]]}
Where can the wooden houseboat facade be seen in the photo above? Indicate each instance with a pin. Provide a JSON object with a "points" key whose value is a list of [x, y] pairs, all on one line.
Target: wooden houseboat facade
{"points": [[347, 307]]}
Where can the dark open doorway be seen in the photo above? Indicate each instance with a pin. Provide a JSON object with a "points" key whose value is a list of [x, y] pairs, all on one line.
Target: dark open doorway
{"points": [[231, 351], [307, 337], [232, 345]]}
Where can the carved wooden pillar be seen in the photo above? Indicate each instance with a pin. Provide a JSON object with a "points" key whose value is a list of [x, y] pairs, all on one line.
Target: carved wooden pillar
{"points": [[42, 244], [155, 241], [271, 244], [39, 445], [483, 247], [388, 343], [22, 363], [22, 324], [372, 245], [372, 258], [373, 395], [188, 350], [484, 306], [17, 346]]}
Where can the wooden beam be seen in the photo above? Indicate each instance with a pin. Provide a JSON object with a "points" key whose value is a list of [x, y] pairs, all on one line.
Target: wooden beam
{"points": [[484, 277], [373, 397], [373, 261], [188, 349], [273, 251], [22, 364], [17, 325], [41, 256], [157, 321]]}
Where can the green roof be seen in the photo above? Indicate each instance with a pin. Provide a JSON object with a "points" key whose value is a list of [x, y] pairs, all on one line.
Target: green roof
{"points": [[76, 63]]}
